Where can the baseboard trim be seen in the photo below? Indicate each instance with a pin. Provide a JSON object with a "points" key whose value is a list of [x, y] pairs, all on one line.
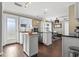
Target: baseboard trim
{"points": [[35, 55], [25, 54], [11, 44]]}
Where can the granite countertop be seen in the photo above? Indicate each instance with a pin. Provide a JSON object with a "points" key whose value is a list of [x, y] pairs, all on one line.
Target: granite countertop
{"points": [[26, 32], [74, 48], [70, 36], [44, 32], [23, 31]]}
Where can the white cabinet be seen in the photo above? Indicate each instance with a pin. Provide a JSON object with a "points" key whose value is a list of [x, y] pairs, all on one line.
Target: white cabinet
{"points": [[33, 45], [47, 38], [30, 45], [26, 43], [45, 26], [77, 10], [21, 38], [46, 31], [67, 42], [65, 27]]}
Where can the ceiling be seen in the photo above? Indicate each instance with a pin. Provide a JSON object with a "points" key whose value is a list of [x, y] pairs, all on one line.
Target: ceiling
{"points": [[37, 8]]}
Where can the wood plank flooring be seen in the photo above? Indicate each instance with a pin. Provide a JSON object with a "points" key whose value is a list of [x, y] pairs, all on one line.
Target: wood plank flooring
{"points": [[55, 50], [16, 50]]}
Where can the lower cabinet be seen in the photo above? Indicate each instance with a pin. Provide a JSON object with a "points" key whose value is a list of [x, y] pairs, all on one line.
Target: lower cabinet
{"points": [[33, 45], [21, 38], [30, 44], [66, 43], [47, 38]]}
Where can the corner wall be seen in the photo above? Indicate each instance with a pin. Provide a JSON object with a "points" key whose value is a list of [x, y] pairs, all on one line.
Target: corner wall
{"points": [[0, 28]]}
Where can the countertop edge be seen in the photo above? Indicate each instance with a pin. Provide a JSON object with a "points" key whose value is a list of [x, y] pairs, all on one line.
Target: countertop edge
{"points": [[69, 36]]}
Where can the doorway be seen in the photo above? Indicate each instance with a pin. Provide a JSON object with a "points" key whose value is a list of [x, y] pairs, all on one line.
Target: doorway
{"points": [[10, 29]]}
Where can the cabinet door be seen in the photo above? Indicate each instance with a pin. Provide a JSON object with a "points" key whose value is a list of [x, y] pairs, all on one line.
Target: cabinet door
{"points": [[77, 9], [21, 38], [49, 38], [66, 43], [33, 46], [45, 38], [26, 44]]}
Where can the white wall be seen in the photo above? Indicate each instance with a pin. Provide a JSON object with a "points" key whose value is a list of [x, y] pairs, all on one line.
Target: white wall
{"points": [[0, 28]]}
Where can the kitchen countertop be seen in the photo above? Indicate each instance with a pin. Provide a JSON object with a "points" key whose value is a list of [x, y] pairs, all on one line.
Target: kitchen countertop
{"points": [[70, 36], [45, 32], [27, 32], [74, 48]]}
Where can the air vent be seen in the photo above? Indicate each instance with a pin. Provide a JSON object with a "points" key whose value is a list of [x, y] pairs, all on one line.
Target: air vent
{"points": [[18, 4]]}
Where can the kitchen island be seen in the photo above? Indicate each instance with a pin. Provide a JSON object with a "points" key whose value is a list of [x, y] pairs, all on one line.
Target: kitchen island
{"points": [[30, 43], [67, 42]]}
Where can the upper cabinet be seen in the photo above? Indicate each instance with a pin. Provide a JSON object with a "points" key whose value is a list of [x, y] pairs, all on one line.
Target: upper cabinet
{"points": [[45, 26], [73, 17], [77, 10]]}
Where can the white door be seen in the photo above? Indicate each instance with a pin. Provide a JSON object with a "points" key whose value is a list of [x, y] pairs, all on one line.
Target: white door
{"points": [[11, 28]]}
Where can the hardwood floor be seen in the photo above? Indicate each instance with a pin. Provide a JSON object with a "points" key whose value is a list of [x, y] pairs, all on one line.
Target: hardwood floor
{"points": [[55, 50], [16, 50]]}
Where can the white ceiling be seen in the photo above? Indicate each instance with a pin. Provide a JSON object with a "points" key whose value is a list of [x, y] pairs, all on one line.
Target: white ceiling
{"points": [[37, 8]]}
